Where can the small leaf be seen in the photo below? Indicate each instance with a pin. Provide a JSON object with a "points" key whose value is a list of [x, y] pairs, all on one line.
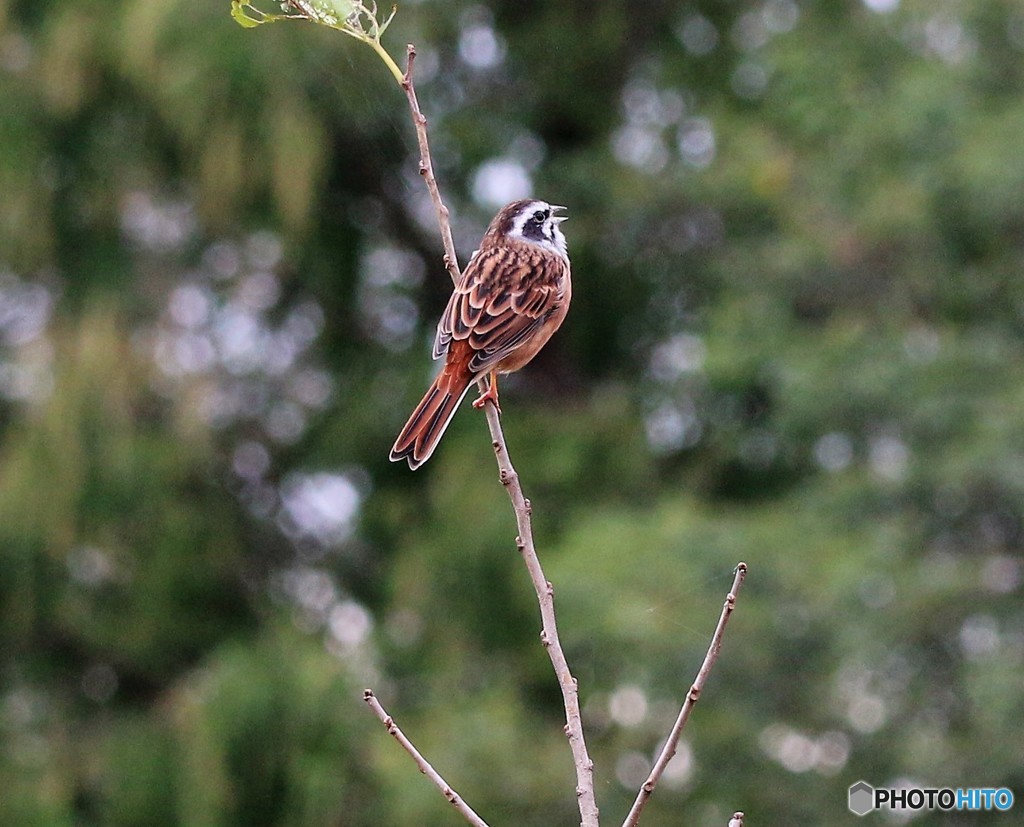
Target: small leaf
{"points": [[242, 18]]}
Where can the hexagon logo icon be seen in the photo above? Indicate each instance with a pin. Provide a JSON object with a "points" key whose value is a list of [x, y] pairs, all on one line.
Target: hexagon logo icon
{"points": [[861, 798]]}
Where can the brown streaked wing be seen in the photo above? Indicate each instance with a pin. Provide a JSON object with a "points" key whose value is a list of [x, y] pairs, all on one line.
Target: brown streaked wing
{"points": [[505, 295]]}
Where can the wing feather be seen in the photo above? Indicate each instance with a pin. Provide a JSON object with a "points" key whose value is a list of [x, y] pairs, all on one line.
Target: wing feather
{"points": [[506, 293]]}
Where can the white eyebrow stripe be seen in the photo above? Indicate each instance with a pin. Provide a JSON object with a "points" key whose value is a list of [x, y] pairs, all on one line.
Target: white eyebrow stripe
{"points": [[525, 214]]}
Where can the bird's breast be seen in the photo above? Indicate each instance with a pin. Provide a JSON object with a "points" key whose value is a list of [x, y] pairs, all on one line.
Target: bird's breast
{"points": [[530, 348]]}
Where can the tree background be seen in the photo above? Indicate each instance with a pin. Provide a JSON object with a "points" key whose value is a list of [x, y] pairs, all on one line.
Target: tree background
{"points": [[797, 236]]}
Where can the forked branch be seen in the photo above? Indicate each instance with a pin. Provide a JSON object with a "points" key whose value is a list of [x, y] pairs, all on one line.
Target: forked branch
{"points": [[360, 21]]}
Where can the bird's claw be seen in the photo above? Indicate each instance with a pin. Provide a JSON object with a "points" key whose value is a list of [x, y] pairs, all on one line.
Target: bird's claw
{"points": [[489, 395]]}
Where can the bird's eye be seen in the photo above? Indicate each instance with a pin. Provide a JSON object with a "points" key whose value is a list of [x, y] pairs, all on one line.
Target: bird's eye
{"points": [[540, 216]]}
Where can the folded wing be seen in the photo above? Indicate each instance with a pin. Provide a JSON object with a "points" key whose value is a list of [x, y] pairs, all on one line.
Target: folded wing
{"points": [[505, 294]]}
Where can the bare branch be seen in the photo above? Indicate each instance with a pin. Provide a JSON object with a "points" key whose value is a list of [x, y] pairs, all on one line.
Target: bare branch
{"points": [[691, 699], [509, 478], [361, 22], [451, 260], [453, 797], [549, 632]]}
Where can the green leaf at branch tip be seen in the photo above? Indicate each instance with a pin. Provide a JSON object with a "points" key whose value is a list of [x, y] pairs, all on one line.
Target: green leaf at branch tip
{"points": [[243, 15]]}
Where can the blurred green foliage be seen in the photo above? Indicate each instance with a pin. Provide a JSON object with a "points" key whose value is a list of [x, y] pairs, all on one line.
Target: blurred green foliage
{"points": [[797, 237]]}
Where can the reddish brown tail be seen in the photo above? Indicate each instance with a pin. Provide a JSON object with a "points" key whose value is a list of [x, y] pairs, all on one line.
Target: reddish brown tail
{"points": [[428, 422]]}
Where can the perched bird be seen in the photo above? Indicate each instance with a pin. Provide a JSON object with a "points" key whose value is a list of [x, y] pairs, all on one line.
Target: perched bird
{"points": [[512, 297]]}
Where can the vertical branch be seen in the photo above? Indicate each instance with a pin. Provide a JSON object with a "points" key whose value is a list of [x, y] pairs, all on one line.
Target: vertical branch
{"points": [[521, 506], [451, 260], [549, 630], [362, 23], [691, 699]]}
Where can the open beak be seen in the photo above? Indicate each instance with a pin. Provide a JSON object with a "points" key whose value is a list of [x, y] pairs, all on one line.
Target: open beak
{"points": [[557, 219]]}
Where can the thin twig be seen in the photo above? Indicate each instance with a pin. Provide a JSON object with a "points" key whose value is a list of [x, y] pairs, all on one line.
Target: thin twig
{"points": [[451, 260], [549, 633], [691, 699], [453, 797], [521, 506]]}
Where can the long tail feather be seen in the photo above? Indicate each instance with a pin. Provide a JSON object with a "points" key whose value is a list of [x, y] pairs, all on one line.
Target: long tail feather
{"points": [[427, 424]]}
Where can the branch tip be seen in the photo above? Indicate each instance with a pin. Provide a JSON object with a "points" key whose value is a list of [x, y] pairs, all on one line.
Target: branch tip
{"points": [[692, 696], [424, 766]]}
